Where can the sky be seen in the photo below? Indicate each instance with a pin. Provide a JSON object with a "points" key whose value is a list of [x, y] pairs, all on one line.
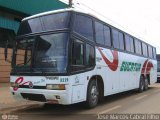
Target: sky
{"points": [[141, 17]]}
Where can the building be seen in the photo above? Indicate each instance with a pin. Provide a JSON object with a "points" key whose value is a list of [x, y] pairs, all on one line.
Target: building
{"points": [[11, 13]]}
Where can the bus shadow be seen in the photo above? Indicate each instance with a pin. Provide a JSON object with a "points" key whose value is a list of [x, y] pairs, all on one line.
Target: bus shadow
{"points": [[120, 96], [53, 109]]}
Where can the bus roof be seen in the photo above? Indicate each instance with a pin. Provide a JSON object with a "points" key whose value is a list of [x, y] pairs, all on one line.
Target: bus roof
{"points": [[52, 12]]}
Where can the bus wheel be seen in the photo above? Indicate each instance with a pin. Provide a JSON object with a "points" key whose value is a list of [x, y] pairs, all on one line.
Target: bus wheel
{"points": [[92, 94], [146, 84], [141, 84]]}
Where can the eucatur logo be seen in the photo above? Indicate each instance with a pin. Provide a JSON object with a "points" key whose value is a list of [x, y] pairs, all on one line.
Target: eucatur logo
{"points": [[114, 64], [146, 69], [19, 81]]}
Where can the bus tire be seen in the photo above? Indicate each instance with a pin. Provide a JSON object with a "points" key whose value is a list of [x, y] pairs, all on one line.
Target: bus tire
{"points": [[92, 94], [141, 84], [146, 84]]}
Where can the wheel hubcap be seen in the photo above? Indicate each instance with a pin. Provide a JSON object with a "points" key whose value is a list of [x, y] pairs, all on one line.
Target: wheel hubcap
{"points": [[142, 85], [94, 94], [146, 84]]}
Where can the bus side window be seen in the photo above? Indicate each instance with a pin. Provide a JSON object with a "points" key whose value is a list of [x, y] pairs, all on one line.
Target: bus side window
{"points": [[144, 49], [90, 56], [150, 51], [138, 48], [154, 53], [77, 52], [107, 36], [84, 26], [132, 44], [115, 36], [121, 41], [127, 43], [99, 33]]}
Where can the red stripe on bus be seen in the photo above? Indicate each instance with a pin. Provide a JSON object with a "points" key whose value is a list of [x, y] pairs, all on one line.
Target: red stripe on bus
{"points": [[112, 65], [144, 67], [149, 66]]}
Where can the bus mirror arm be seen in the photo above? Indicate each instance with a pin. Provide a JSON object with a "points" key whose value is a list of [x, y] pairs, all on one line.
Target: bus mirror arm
{"points": [[6, 52]]}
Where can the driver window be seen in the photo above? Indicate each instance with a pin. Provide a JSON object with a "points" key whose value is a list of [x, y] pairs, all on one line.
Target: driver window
{"points": [[77, 59], [77, 52]]}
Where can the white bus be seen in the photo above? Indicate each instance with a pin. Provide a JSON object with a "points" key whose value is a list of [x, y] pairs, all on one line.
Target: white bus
{"points": [[68, 56]]}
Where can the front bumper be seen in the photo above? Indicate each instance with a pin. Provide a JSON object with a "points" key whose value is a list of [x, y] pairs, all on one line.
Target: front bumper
{"points": [[41, 95]]}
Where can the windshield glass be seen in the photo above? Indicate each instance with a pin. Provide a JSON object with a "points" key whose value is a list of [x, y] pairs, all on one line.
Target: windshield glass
{"points": [[50, 53], [24, 52], [48, 22]]}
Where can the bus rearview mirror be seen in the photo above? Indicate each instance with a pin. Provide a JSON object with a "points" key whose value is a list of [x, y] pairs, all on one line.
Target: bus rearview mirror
{"points": [[6, 52]]}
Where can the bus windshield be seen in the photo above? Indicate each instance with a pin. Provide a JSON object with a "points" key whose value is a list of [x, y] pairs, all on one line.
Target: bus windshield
{"points": [[45, 23], [24, 52], [42, 53]]}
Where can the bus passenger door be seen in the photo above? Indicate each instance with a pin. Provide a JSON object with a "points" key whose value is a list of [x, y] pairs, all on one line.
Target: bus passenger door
{"points": [[77, 69]]}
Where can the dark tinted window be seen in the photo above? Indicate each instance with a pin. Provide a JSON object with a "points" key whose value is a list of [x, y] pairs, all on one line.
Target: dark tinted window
{"points": [[138, 48], [45, 23], [127, 42], [51, 52], [102, 34], [56, 21], [24, 50], [107, 36], [77, 53], [150, 51], [154, 53], [118, 39], [144, 49], [121, 41], [158, 66], [83, 26], [90, 59], [115, 38], [30, 26], [99, 33], [132, 44]]}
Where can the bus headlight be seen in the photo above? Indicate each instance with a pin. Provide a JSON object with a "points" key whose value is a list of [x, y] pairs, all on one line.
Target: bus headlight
{"points": [[55, 87], [14, 85]]}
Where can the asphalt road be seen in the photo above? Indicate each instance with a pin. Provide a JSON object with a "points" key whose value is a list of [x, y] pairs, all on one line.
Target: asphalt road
{"points": [[123, 104]]}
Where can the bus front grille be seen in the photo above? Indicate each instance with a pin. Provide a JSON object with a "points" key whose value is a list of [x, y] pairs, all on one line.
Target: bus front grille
{"points": [[34, 97]]}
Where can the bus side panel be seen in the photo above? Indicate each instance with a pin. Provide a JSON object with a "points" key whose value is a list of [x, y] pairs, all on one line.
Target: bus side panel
{"points": [[78, 87], [127, 72], [153, 75], [110, 77], [125, 75], [79, 84]]}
